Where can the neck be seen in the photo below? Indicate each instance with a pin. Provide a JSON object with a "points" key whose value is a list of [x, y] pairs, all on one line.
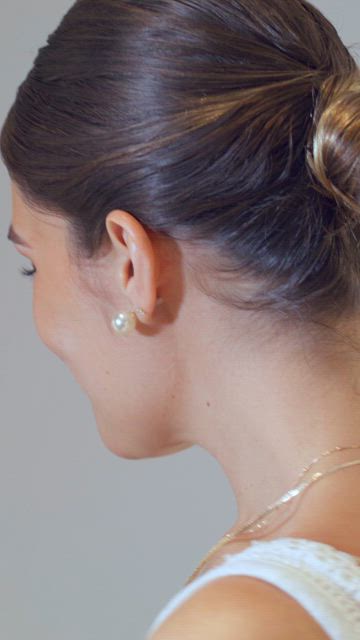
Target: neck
{"points": [[264, 412]]}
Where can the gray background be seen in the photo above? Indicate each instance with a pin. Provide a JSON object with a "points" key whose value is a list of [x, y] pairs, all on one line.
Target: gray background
{"points": [[92, 546]]}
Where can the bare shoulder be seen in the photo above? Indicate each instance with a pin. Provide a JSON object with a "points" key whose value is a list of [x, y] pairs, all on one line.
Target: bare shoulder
{"points": [[239, 608]]}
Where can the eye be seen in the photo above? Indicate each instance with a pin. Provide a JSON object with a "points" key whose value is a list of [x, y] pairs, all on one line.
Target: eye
{"points": [[28, 272]]}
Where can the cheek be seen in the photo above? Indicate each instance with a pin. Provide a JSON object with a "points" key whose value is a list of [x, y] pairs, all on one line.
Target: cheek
{"points": [[51, 317], [69, 325]]}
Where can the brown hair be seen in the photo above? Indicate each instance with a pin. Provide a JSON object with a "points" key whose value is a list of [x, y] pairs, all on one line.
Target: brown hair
{"points": [[233, 124]]}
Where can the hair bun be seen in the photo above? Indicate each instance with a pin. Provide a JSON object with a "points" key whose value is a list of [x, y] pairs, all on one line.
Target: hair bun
{"points": [[334, 159]]}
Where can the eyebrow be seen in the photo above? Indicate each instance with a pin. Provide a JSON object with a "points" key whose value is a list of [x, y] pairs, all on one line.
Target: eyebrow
{"points": [[14, 237]]}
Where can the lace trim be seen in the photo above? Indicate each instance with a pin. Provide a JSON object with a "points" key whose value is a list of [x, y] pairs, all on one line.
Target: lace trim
{"points": [[334, 572]]}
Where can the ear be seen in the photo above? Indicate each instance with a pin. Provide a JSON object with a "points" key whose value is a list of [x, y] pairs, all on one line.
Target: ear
{"points": [[138, 262]]}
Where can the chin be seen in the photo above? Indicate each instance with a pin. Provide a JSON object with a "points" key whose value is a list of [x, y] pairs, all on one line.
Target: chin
{"points": [[139, 451], [176, 448], [120, 447], [133, 444], [145, 453]]}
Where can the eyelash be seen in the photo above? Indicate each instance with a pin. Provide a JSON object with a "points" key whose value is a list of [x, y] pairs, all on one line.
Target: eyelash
{"points": [[28, 272]]}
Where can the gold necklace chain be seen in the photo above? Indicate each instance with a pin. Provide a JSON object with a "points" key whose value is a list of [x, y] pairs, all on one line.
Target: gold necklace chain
{"points": [[289, 495]]}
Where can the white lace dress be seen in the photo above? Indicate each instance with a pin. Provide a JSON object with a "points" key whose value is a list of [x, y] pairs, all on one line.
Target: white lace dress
{"points": [[323, 580]]}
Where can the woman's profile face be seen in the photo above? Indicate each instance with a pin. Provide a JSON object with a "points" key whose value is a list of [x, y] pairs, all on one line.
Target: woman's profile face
{"points": [[130, 380]]}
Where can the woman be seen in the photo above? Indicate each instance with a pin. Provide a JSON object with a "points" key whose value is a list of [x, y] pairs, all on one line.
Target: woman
{"points": [[185, 182]]}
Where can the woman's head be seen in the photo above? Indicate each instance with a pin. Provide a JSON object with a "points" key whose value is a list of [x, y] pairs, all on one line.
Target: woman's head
{"points": [[193, 142]]}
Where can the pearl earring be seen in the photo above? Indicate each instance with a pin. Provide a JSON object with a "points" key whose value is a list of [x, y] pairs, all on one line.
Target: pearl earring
{"points": [[125, 322]]}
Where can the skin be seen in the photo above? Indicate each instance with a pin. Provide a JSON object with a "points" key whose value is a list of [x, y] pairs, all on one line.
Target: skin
{"points": [[263, 400]]}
